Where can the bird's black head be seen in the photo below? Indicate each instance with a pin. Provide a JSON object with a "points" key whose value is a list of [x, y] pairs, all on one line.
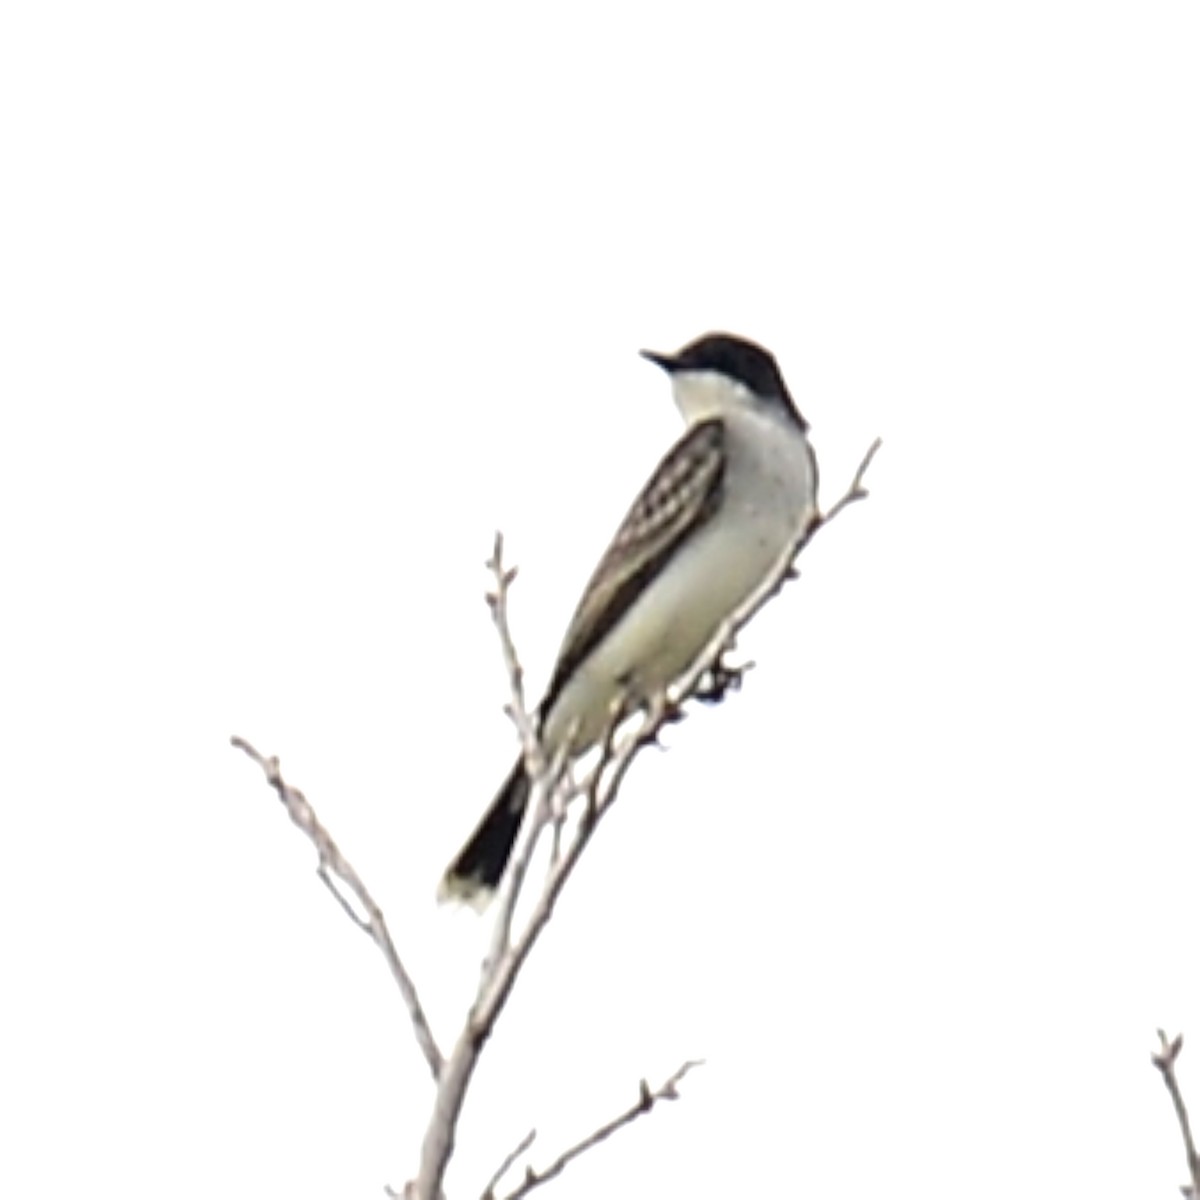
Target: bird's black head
{"points": [[734, 357]]}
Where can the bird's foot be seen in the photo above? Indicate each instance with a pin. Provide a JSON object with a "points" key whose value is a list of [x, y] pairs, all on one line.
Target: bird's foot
{"points": [[718, 681]]}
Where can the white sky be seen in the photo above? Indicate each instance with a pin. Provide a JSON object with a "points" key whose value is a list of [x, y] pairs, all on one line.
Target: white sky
{"points": [[300, 302]]}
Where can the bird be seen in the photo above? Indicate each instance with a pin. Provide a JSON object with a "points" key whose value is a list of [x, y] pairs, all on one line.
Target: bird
{"points": [[734, 495]]}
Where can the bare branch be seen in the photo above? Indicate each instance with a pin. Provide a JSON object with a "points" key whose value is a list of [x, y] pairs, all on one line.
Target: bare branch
{"points": [[507, 955], [542, 775], [489, 1192], [856, 491], [501, 969], [536, 766], [332, 865], [1164, 1059], [645, 1103], [517, 709], [492, 997]]}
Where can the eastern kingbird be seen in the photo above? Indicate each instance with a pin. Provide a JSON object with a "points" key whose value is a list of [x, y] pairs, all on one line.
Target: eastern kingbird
{"points": [[729, 500]]}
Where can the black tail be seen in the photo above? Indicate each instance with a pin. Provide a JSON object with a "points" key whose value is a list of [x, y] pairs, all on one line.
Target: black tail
{"points": [[479, 866]]}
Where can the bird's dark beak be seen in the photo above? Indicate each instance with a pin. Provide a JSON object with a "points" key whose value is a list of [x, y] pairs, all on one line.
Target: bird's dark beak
{"points": [[666, 361]]}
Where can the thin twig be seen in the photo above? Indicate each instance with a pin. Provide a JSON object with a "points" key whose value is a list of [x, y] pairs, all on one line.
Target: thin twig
{"points": [[332, 863], [856, 491], [535, 763], [561, 791], [517, 709], [643, 1104], [1164, 1059], [489, 1192]]}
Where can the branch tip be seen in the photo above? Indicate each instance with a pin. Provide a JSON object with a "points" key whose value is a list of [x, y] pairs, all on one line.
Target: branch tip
{"points": [[644, 1103], [489, 1192], [1164, 1059], [331, 864]]}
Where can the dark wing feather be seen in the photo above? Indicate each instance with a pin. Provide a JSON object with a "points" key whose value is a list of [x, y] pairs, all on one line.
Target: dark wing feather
{"points": [[681, 495]]}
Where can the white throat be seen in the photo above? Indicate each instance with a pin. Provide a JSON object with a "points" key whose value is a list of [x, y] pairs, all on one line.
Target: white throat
{"points": [[701, 395]]}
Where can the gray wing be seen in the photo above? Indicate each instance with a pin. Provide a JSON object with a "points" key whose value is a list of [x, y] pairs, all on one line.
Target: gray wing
{"points": [[682, 494]]}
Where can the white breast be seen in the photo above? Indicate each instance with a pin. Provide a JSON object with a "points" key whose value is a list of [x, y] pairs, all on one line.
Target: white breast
{"points": [[768, 499]]}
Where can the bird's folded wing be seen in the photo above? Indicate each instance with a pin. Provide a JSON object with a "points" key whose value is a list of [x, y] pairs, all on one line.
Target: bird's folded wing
{"points": [[683, 493]]}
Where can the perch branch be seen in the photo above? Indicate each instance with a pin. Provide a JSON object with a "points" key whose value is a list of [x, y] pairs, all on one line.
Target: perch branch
{"points": [[507, 956]]}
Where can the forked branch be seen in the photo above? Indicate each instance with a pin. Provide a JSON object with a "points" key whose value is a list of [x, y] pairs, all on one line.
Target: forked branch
{"points": [[1164, 1058], [508, 953], [332, 866], [553, 786], [645, 1103]]}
